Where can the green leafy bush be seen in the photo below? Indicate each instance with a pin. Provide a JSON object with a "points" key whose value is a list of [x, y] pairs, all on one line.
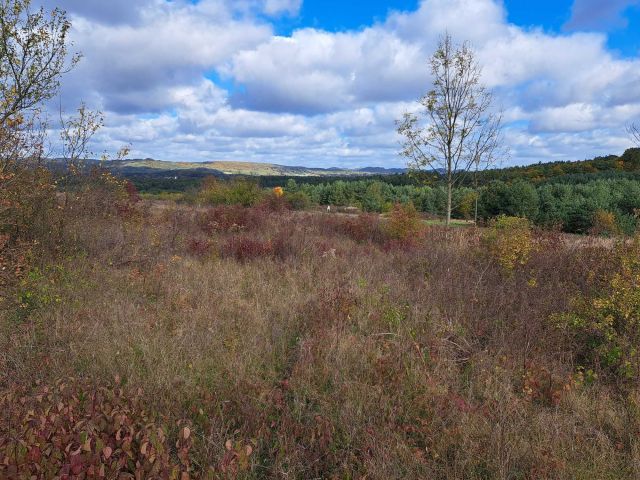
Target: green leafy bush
{"points": [[603, 328], [235, 192], [297, 200], [509, 241], [519, 199]]}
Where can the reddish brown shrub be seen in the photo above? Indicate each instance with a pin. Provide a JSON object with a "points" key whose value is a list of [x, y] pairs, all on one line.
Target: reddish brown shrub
{"points": [[542, 386], [198, 247], [132, 192], [363, 228], [243, 248], [274, 203], [74, 430], [286, 244], [226, 218], [404, 223], [406, 245], [330, 306]]}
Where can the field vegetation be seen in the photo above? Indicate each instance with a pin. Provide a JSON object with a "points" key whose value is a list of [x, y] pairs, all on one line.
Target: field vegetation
{"points": [[240, 334], [230, 341], [572, 202]]}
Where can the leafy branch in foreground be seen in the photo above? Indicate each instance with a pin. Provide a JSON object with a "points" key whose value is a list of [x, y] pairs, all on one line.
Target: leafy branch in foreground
{"points": [[33, 56]]}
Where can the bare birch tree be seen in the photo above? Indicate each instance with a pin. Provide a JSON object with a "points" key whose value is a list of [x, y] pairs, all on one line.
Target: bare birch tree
{"points": [[634, 132], [455, 131]]}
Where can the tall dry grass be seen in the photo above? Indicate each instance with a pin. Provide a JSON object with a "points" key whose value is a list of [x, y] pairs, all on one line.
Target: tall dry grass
{"points": [[302, 345]]}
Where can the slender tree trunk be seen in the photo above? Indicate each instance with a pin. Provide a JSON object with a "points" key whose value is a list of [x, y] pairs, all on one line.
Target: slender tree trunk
{"points": [[63, 216], [475, 181], [475, 218], [449, 201]]}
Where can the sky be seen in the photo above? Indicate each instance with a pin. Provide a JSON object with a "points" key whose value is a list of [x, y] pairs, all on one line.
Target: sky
{"points": [[321, 82]]}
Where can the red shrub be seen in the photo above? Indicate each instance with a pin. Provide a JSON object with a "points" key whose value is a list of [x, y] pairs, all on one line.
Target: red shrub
{"points": [[274, 203], [406, 245], [198, 247], [542, 386], [330, 306], [286, 245], [127, 210], [363, 228], [132, 192], [226, 218], [243, 248], [77, 430]]}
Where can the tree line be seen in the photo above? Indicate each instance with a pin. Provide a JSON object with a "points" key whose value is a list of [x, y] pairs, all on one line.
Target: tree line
{"points": [[573, 207]]}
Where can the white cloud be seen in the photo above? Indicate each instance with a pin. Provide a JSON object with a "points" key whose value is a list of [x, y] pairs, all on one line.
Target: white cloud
{"points": [[132, 67], [598, 14], [210, 80], [315, 71], [276, 7], [112, 11]]}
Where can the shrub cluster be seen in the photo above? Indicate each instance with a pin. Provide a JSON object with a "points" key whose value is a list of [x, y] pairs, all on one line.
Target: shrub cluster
{"points": [[75, 430], [243, 248], [510, 241], [603, 328], [235, 192], [318, 349], [230, 218], [404, 223], [247, 193]]}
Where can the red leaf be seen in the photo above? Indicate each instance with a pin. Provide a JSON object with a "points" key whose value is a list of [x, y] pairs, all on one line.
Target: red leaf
{"points": [[107, 451]]}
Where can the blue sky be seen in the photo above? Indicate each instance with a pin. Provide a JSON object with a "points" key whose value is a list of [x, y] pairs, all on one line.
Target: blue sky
{"points": [[321, 82], [340, 15], [550, 15]]}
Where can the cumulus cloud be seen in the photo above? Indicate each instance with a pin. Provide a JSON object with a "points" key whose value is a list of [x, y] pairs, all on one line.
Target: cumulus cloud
{"points": [[318, 72], [315, 71], [132, 66], [129, 11], [276, 7], [598, 14], [110, 12], [209, 80]]}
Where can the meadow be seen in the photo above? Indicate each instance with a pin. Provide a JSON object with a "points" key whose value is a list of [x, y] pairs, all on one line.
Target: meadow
{"points": [[216, 328], [147, 339]]}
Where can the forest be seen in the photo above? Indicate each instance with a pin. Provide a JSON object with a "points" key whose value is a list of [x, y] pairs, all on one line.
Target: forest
{"points": [[575, 197]]}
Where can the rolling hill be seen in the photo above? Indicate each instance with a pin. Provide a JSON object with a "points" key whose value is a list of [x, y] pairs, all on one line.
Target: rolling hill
{"points": [[241, 168]]}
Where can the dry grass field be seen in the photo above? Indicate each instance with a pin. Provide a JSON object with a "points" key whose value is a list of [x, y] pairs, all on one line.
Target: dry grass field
{"points": [[229, 342]]}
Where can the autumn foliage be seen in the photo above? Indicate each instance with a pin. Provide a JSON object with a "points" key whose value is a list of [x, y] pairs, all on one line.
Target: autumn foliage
{"points": [[603, 326], [510, 241], [255, 343], [404, 223], [73, 429]]}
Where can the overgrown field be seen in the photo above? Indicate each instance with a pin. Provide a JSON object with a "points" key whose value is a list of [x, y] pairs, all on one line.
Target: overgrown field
{"points": [[169, 341]]}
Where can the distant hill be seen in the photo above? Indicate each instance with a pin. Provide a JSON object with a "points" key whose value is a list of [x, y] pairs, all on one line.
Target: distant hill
{"points": [[140, 166], [536, 173], [188, 173]]}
